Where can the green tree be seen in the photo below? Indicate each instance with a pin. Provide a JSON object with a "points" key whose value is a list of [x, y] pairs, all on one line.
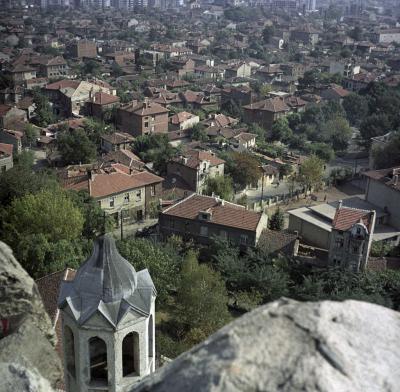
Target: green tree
{"points": [[221, 186], [49, 212], [76, 147], [31, 133], [44, 113], [338, 131], [374, 125], [268, 34], [201, 300], [245, 169], [162, 260], [281, 130], [356, 33], [277, 221], [356, 107], [322, 151], [22, 180], [389, 155], [311, 173]]}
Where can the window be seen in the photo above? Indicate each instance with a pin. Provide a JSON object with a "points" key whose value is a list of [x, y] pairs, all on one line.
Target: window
{"points": [[130, 354], [146, 124], [151, 336], [139, 195], [112, 199], [223, 234], [98, 360], [126, 198], [204, 231], [243, 239], [339, 242], [153, 190], [69, 350], [355, 248]]}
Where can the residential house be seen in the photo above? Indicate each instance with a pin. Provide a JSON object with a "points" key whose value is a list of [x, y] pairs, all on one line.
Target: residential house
{"points": [[202, 218], [20, 73], [100, 104], [238, 70], [220, 120], [265, 112], [121, 192], [306, 35], [53, 67], [207, 72], [387, 36], [383, 189], [183, 120], [351, 238], [6, 157], [241, 95], [126, 157], [196, 100], [243, 141], [142, 118], [314, 224], [334, 93], [69, 97], [195, 167], [296, 104], [14, 138], [116, 141], [11, 114], [83, 49]]}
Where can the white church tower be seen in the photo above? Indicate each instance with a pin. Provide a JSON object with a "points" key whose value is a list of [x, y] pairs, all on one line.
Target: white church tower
{"points": [[108, 323]]}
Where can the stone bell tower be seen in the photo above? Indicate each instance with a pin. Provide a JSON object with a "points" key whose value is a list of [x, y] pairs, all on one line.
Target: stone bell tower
{"points": [[107, 323]]}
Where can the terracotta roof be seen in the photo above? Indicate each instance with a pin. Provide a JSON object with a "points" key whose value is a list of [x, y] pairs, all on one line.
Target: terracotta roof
{"points": [[390, 177], [66, 83], [346, 217], [49, 286], [245, 136], [274, 105], [145, 108], [117, 181], [6, 148], [278, 242], [195, 157], [181, 117], [101, 98], [126, 157], [223, 213]]}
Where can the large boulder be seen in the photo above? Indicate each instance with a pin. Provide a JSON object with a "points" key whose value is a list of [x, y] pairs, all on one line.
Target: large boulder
{"points": [[27, 339], [292, 346]]}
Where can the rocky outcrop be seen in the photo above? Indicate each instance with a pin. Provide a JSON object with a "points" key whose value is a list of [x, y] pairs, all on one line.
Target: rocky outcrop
{"points": [[27, 351], [291, 346]]}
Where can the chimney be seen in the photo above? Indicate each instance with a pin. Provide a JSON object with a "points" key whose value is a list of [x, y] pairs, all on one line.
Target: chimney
{"points": [[396, 180], [340, 204]]}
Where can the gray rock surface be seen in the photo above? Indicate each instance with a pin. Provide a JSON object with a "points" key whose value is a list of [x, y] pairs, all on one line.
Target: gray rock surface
{"points": [[14, 377], [291, 346], [31, 338]]}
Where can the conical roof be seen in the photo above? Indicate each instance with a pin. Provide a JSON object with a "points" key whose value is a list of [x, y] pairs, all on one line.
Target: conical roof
{"points": [[107, 283]]}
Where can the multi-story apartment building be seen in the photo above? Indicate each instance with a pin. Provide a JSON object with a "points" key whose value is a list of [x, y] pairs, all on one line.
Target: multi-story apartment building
{"points": [[202, 218], [141, 118], [195, 167]]}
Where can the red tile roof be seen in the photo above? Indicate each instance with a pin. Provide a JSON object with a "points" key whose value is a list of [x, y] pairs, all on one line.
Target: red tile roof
{"points": [[117, 181], [346, 217], [224, 214], [195, 157], [49, 287], [275, 105], [101, 98], [6, 148]]}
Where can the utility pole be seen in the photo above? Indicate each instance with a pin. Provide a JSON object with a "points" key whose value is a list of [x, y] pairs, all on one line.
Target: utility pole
{"points": [[262, 184]]}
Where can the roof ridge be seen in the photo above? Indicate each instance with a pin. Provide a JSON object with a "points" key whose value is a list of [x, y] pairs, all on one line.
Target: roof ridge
{"points": [[181, 201]]}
